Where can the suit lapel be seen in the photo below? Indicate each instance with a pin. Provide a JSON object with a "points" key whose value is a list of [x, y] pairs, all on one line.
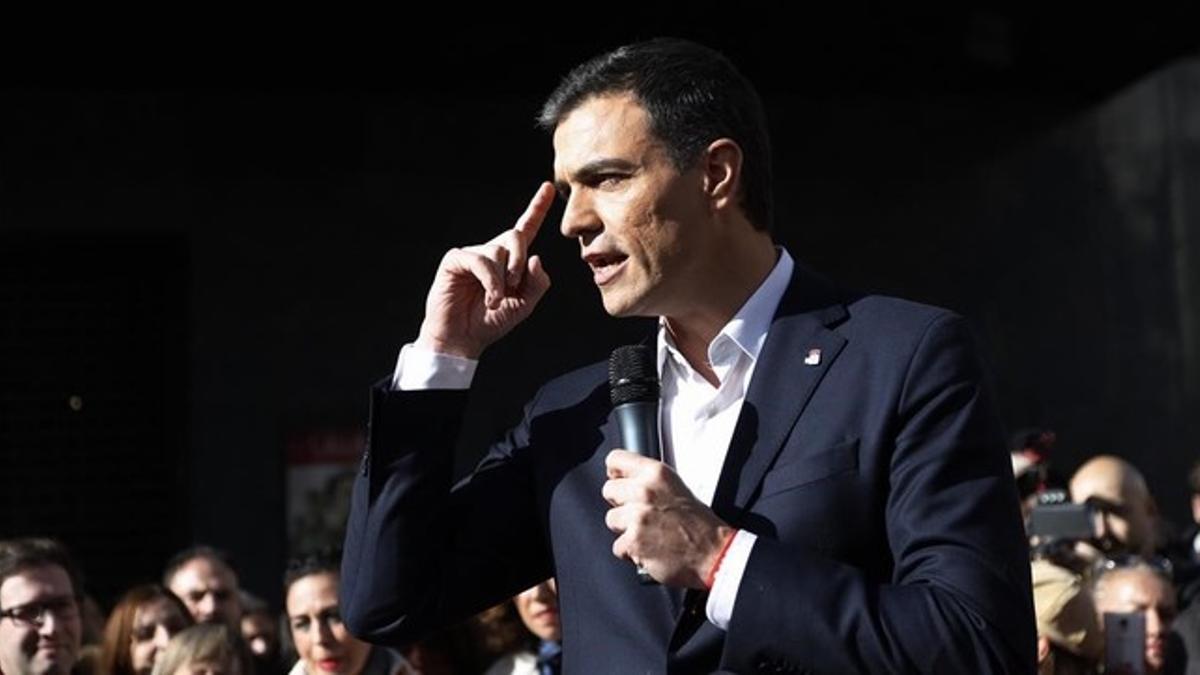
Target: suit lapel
{"points": [[785, 376], [797, 353]]}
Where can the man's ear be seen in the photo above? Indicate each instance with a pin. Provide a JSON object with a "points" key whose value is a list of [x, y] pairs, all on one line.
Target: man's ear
{"points": [[722, 172]]}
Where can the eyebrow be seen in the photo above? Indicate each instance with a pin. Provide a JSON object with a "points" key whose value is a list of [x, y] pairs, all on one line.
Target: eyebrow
{"points": [[592, 169]]}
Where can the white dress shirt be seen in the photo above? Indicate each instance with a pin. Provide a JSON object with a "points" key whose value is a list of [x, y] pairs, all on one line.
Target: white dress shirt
{"points": [[696, 419]]}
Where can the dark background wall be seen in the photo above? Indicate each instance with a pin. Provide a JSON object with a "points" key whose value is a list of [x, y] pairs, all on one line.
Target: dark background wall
{"points": [[245, 235]]}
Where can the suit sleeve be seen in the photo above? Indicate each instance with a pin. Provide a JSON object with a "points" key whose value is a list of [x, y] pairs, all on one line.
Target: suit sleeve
{"points": [[419, 554], [959, 600]]}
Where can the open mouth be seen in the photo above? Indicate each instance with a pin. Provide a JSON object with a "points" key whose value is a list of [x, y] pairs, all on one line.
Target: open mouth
{"points": [[605, 266]]}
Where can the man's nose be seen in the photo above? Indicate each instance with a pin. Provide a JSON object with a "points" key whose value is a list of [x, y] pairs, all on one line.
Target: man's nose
{"points": [[49, 622], [161, 637], [324, 634], [579, 217], [1156, 624], [543, 594], [207, 605]]}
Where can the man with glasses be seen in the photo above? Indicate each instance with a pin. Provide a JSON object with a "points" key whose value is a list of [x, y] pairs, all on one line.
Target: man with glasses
{"points": [[39, 608]]}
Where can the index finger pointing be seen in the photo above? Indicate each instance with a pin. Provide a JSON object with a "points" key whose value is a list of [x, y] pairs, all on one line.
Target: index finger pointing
{"points": [[531, 220]]}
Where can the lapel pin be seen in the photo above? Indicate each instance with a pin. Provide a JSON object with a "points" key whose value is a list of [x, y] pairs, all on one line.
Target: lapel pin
{"points": [[813, 358]]}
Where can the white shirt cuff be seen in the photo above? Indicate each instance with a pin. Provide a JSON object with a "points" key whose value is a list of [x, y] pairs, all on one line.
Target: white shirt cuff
{"points": [[418, 369], [729, 578]]}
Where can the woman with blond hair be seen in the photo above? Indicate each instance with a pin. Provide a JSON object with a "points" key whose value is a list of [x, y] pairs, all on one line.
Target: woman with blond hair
{"points": [[206, 649]]}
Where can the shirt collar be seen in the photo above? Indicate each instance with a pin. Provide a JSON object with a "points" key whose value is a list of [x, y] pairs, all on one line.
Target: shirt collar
{"points": [[748, 328]]}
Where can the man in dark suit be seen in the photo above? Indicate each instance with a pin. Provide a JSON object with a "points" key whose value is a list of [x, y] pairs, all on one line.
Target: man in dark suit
{"points": [[834, 495]]}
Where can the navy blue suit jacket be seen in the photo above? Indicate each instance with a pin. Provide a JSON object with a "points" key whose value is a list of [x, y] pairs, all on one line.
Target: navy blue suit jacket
{"points": [[876, 480]]}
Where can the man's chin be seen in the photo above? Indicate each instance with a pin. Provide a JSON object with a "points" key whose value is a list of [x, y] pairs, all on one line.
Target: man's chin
{"points": [[56, 655], [60, 664], [621, 306], [615, 309]]}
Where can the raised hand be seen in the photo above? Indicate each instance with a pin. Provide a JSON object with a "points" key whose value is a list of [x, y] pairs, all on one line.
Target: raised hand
{"points": [[482, 292]]}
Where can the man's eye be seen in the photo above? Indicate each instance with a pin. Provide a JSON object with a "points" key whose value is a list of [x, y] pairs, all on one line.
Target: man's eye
{"points": [[609, 179]]}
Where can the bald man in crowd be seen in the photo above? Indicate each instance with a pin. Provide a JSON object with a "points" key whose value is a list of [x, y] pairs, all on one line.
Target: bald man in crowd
{"points": [[1127, 517]]}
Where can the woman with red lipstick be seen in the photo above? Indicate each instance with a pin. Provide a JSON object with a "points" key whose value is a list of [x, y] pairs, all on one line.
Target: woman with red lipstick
{"points": [[324, 645]]}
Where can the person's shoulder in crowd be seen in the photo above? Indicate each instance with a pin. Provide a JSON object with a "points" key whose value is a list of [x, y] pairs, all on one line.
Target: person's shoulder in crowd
{"points": [[517, 663]]}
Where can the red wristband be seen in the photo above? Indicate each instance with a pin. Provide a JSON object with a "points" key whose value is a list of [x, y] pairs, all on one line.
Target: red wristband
{"points": [[712, 573]]}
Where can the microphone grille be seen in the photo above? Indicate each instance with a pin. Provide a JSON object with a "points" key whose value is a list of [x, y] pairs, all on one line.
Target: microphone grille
{"points": [[632, 374]]}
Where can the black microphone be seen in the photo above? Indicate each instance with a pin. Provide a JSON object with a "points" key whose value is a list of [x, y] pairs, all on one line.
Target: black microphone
{"points": [[633, 389], [634, 392]]}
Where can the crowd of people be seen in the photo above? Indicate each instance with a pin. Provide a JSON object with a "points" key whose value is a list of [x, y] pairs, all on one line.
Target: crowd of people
{"points": [[1129, 566], [1114, 584], [199, 622]]}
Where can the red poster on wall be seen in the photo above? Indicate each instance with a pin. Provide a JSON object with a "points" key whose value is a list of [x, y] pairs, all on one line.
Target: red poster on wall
{"points": [[320, 473]]}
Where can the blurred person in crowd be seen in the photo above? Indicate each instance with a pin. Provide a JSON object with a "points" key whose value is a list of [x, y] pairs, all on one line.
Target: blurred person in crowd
{"points": [[1126, 514], [1137, 586], [1070, 637], [538, 609], [1191, 534], [1030, 455], [260, 630], [205, 581], [92, 618], [494, 633], [139, 628], [40, 591], [323, 644], [1183, 547], [470, 646], [206, 649], [1185, 639]]}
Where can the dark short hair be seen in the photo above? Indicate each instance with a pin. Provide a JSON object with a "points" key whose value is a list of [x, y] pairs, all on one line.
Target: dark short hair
{"points": [[187, 555], [693, 95], [18, 555], [1194, 479], [324, 561]]}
